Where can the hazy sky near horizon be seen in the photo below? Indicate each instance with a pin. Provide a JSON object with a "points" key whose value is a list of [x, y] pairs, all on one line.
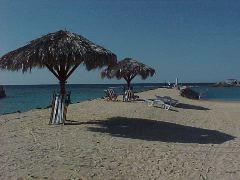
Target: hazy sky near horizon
{"points": [[194, 40]]}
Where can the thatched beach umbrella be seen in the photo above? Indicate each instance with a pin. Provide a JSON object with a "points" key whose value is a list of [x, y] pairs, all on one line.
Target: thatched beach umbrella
{"points": [[61, 52], [128, 69]]}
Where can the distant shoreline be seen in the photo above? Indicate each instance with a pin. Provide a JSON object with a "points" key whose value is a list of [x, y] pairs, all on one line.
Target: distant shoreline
{"points": [[56, 84], [140, 91], [49, 106]]}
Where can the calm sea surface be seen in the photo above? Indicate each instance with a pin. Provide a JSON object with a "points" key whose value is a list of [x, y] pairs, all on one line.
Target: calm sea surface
{"points": [[219, 93], [26, 97]]}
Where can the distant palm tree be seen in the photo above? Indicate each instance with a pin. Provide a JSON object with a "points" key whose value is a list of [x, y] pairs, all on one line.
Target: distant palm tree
{"points": [[128, 69]]}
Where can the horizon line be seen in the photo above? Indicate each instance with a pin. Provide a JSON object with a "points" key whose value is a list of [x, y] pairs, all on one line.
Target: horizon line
{"points": [[105, 83]]}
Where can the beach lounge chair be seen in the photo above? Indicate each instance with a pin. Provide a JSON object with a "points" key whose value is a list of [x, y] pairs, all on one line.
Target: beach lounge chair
{"points": [[110, 94], [59, 108], [157, 102], [168, 100], [129, 96]]}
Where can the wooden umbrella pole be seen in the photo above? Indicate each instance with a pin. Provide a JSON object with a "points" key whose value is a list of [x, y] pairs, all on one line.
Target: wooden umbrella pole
{"points": [[128, 83], [128, 79], [62, 87]]}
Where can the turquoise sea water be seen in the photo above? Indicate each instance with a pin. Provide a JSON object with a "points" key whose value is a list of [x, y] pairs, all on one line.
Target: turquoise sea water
{"points": [[26, 97], [218, 93]]}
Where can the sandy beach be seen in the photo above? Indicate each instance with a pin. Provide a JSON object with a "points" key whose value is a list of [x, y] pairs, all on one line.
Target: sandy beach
{"points": [[119, 140]]}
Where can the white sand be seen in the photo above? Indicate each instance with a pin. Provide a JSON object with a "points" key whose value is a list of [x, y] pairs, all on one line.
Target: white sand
{"points": [[117, 140]]}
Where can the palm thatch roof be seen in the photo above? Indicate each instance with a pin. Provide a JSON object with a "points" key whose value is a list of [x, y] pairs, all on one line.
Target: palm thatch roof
{"points": [[56, 49], [61, 52], [128, 68]]}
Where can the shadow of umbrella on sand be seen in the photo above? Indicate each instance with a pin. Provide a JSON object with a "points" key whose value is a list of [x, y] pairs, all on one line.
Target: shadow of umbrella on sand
{"points": [[153, 130], [61, 52]]}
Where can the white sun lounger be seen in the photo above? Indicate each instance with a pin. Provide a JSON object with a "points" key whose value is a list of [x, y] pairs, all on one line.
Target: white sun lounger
{"points": [[168, 100], [157, 102], [129, 96]]}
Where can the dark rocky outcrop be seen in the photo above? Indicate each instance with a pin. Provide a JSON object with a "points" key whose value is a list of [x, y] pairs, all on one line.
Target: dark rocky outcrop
{"points": [[189, 93], [228, 83], [2, 92], [224, 84]]}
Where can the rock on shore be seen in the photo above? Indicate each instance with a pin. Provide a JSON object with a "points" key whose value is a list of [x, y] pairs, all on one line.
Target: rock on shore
{"points": [[189, 93]]}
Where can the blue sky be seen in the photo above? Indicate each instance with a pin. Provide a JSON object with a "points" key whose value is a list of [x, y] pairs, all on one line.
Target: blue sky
{"points": [[194, 40]]}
